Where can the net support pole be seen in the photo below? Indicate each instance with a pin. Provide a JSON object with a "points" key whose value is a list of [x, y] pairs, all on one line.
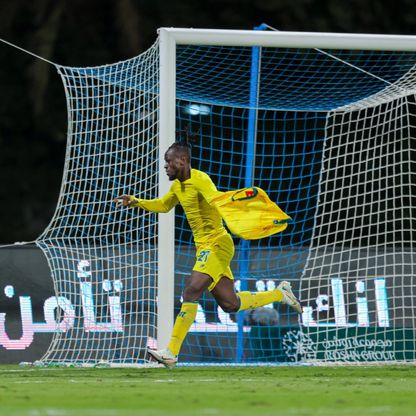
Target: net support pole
{"points": [[166, 229], [248, 181]]}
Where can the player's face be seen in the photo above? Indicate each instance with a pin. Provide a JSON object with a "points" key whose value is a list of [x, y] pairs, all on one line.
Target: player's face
{"points": [[175, 164]]}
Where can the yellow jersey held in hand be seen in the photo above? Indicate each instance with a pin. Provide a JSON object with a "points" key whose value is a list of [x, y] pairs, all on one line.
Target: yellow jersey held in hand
{"points": [[250, 214]]}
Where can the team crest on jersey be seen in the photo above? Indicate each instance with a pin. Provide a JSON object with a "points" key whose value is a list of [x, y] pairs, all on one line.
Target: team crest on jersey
{"points": [[243, 194]]}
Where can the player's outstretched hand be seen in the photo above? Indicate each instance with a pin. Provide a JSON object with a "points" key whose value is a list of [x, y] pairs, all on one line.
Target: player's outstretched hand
{"points": [[123, 201]]}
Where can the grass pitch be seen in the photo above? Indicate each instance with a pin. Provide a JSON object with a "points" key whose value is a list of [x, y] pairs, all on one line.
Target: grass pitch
{"points": [[240, 391]]}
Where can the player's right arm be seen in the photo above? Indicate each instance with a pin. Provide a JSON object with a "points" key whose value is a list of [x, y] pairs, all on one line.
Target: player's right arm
{"points": [[164, 204]]}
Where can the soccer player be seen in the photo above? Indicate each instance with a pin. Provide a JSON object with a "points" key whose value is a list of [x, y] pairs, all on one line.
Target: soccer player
{"points": [[194, 190]]}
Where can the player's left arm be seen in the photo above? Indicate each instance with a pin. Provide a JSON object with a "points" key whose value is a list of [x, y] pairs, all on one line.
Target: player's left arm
{"points": [[207, 188]]}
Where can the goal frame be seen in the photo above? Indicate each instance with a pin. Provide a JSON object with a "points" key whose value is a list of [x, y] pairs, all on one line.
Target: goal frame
{"points": [[169, 39]]}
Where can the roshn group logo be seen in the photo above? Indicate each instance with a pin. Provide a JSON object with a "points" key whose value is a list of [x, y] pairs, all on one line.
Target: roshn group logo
{"points": [[299, 346]]}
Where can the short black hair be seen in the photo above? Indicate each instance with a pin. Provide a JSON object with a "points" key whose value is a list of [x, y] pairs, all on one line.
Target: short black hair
{"points": [[183, 142]]}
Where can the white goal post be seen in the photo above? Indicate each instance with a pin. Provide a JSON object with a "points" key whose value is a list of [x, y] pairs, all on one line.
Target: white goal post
{"points": [[169, 39], [323, 122]]}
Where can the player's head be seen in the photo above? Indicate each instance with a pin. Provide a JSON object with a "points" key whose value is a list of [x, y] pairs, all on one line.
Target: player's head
{"points": [[178, 156]]}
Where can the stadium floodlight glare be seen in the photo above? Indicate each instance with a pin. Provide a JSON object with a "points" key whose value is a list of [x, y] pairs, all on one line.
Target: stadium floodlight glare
{"points": [[197, 110], [323, 122]]}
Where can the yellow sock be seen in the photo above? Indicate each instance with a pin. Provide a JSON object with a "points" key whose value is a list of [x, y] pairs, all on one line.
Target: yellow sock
{"points": [[251, 300], [183, 322]]}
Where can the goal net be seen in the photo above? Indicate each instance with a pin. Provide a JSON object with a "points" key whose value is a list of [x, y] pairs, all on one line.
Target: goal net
{"points": [[104, 260], [327, 132]]}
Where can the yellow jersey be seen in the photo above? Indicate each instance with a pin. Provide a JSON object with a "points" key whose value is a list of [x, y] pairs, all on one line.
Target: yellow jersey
{"points": [[249, 213], [194, 195]]}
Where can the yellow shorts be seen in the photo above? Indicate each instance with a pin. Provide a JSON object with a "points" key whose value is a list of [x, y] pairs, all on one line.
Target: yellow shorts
{"points": [[214, 259]]}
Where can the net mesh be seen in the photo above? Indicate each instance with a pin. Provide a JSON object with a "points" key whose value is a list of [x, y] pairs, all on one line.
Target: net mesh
{"points": [[104, 260], [334, 149], [332, 145]]}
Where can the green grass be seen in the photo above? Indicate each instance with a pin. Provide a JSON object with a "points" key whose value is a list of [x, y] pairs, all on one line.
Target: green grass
{"points": [[254, 391]]}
